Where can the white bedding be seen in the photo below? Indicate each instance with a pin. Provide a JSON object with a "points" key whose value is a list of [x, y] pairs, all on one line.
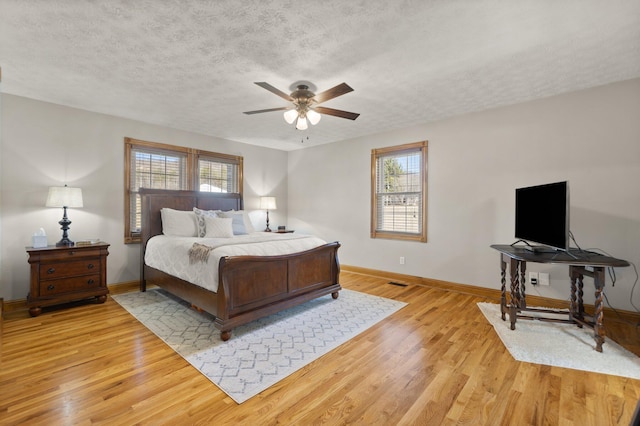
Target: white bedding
{"points": [[171, 254]]}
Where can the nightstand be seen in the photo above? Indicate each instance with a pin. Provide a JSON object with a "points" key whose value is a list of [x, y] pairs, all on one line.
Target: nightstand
{"points": [[65, 274]]}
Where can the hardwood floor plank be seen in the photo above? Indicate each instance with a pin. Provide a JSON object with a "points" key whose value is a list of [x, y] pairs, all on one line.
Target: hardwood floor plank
{"points": [[436, 361]]}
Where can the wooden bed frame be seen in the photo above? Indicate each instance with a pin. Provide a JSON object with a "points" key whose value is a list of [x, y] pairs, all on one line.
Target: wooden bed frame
{"points": [[249, 287]]}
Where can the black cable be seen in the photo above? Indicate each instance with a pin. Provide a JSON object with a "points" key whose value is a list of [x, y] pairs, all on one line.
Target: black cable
{"points": [[633, 287], [574, 240], [612, 276], [611, 307]]}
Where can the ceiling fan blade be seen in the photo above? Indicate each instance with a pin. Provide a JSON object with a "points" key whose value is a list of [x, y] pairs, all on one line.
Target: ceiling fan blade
{"points": [[337, 113], [266, 110], [274, 90], [334, 92]]}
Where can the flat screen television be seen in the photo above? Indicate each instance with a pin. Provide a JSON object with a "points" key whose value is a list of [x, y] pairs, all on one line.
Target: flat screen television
{"points": [[542, 215]]}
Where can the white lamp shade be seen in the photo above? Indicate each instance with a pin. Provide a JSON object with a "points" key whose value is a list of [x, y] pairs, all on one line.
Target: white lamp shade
{"points": [[290, 116], [302, 124], [314, 117], [64, 196], [268, 203]]}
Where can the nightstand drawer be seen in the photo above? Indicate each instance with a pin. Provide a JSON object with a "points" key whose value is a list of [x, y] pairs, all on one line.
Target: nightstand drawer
{"points": [[67, 254], [50, 271], [56, 287]]}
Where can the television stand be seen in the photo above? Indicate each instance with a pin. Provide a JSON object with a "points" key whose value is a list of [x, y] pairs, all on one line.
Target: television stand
{"points": [[517, 258]]}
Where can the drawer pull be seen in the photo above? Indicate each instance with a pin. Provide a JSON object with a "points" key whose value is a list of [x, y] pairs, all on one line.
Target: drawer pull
{"points": [[90, 266], [51, 287], [90, 282], [51, 270], [71, 253]]}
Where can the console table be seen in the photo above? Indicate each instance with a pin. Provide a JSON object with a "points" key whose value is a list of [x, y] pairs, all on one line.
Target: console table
{"points": [[578, 262]]}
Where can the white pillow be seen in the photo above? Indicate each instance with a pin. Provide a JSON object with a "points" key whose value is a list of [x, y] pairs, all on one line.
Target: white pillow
{"points": [[242, 223], [218, 227], [200, 215], [178, 223], [238, 225], [247, 221]]}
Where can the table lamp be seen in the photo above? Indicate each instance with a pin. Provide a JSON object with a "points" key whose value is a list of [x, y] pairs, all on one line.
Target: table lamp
{"points": [[268, 203], [64, 196]]}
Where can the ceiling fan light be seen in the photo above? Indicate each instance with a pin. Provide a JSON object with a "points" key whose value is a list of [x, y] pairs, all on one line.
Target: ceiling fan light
{"points": [[290, 116], [314, 117], [302, 123]]}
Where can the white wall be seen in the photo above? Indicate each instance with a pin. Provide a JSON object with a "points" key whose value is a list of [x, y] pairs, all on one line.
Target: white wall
{"points": [[591, 138], [48, 145]]}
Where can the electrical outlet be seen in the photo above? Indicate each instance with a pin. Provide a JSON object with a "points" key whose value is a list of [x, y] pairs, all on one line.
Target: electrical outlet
{"points": [[533, 278], [402, 260], [543, 278]]}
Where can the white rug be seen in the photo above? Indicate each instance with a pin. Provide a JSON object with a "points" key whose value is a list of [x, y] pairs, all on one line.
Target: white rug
{"points": [[265, 351], [561, 345]]}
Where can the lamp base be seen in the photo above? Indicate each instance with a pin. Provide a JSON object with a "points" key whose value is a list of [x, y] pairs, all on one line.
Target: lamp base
{"points": [[267, 229], [65, 243], [65, 222]]}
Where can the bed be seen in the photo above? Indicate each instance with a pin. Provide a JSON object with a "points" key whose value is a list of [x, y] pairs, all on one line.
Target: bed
{"points": [[248, 286]]}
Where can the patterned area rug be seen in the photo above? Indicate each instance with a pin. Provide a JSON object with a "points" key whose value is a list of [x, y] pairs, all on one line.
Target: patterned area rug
{"points": [[265, 351], [561, 345]]}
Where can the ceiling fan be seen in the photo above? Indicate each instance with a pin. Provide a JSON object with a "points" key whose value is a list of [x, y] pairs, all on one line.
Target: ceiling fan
{"points": [[305, 104]]}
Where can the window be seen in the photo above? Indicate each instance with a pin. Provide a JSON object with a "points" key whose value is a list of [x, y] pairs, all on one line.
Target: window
{"points": [[399, 192], [217, 174], [160, 166]]}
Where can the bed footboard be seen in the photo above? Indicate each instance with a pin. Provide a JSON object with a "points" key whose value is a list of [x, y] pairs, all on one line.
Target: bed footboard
{"points": [[251, 287]]}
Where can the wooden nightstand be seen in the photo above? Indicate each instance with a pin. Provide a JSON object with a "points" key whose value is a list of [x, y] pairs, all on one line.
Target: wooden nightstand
{"points": [[64, 274]]}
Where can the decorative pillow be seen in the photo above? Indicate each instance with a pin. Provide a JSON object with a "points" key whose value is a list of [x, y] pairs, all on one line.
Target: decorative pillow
{"points": [[248, 226], [200, 215], [178, 223], [239, 227], [247, 221], [218, 227]]}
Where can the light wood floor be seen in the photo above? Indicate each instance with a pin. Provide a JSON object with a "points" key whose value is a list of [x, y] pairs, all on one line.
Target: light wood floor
{"points": [[436, 361]]}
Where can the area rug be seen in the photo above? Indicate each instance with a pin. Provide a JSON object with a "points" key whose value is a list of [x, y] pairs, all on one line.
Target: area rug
{"points": [[265, 351], [561, 345]]}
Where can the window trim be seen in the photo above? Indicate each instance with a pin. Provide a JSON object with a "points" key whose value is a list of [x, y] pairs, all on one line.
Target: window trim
{"points": [[399, 149], [192, 157]]}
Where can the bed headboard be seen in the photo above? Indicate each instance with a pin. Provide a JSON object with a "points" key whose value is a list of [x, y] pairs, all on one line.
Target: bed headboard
{"points": [[155, 199]]}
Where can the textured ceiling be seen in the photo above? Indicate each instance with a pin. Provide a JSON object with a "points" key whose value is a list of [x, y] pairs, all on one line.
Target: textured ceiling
{"points": [[191, 64]]}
